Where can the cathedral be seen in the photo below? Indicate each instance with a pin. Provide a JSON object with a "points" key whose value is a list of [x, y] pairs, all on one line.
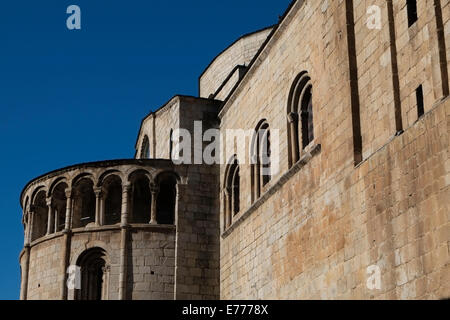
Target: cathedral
{"points": [[313, 164]]}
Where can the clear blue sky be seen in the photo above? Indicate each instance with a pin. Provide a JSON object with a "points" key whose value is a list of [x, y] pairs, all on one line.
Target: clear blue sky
{"points": [[76, 96]]}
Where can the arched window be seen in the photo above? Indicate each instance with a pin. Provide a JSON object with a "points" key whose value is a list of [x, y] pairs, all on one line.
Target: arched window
{"points": [[141, 198], [60, 202], [236, 183], [307, 117], [167, 198], [94, 275], [83, 203], [261, 162], [300, 116], [112, 193], [40, 216], [231, 191], [145, 149]]}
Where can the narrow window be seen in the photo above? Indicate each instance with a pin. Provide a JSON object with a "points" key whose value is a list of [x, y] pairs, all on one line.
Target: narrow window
{"points": [[420, 104], [307, 118], [40, 218], [261, 162], [236, 186], [167, 199], [60, 200], [112, 193], [170, 144], [139, 210], [231, 191], [145, 151], [265, 158], [412, 11], [300, 117], [83, 203]]}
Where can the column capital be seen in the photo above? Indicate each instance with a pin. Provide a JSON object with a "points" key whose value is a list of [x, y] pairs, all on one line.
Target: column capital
{"points": [[68, 193], [49, 216], [254, 159], [154, 188], [292, 117], [49, 201], [98, 192], [227, 191], [68, 222], [126, 187]]}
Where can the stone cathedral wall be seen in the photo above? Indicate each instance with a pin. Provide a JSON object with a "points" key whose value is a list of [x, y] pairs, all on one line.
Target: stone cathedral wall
{"points": [[370, 190], [321, 224], [156, 261]]}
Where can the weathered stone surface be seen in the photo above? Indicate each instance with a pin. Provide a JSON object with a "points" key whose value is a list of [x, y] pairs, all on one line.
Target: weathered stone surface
{"points": [[370, 190]]}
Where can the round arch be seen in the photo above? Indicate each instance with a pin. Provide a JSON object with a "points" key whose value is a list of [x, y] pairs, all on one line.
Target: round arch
{"points": [[104, 176], [166, 203], [83, 212], [82, 176], [39, 209], [55, 183], [232, 191], [111, 187], [140, 197], [36, 191], [300, 129], [137, 172], [94, 274]]}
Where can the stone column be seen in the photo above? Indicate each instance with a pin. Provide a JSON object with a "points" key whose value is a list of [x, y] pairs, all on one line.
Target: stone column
{"points": [[124, 244], [231, 215], [31, 226], [293, 131], [257, 174], [154, 189], [56, 220], [105, 286], [25, 228], [228, 207], [124, 214], [102, 208], [68, 221], [178, 189], [26, 257], [98, 205], [25, 272], [27, 221], [123, 264], [67, 237], [49, 215]]}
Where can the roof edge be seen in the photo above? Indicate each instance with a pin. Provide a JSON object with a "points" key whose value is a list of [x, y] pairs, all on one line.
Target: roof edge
{"points": [[104, 163], [232, 44], [256, 57], [169, 102]]}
